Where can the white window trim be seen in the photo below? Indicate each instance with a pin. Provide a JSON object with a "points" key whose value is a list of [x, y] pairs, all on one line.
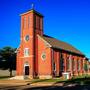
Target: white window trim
{"points": [[24, 52]]}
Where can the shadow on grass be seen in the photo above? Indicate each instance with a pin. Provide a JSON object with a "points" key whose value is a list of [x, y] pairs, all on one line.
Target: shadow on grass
{"points": [[36, 81], [77, 87], [73, 84], [55, 80], [4, 77], [77, 81]]}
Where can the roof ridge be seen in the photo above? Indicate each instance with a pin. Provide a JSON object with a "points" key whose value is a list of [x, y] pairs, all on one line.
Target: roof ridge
{"points": [[61, 44]]}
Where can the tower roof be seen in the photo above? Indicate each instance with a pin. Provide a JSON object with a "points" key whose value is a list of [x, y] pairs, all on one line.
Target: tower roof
{"points": [[34, 11]]}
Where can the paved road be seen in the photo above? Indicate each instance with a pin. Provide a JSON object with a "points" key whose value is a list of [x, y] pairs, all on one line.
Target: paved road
{"points": [[25, 85], [29, 87]]}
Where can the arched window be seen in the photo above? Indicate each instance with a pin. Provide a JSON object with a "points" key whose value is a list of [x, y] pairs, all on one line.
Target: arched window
{"points": [[54, 66], [61, 62], [73, 64], [69, 62], [78, 65]]}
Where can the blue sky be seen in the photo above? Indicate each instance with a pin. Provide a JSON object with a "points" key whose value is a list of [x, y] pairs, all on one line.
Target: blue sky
{"points": [[66, 20]]}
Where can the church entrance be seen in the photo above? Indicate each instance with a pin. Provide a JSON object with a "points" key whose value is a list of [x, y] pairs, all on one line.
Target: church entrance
{"points": [[26, 70]]}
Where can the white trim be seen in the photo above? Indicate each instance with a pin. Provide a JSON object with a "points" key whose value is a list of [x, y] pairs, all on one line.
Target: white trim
{"points": [[25, 64], [31, 12], [45, 76], [27, 56], [17, 78], [17, 48], [44, 40], [26, 13]]}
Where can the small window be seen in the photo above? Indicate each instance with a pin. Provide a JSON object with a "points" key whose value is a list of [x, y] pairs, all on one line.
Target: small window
{"points": [[54, 66], [68, 63], [43, 56], [27, 37], [74, 64], [61, 62], [26, 52], [79, 67]]}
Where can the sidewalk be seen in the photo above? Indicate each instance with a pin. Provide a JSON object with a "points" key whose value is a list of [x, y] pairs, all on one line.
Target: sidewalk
{"points": [[27, 82], [13, 82], [27, 85]]}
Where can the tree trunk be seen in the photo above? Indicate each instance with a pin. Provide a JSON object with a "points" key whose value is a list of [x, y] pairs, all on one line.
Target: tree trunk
{"points": [[11, 73]]}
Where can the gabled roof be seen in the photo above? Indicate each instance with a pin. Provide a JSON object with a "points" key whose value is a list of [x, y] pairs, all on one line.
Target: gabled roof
{"points": [[61, 45]]}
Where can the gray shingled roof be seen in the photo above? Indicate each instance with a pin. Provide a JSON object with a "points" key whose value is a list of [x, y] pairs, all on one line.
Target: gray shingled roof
{"points": [[61, 45]]}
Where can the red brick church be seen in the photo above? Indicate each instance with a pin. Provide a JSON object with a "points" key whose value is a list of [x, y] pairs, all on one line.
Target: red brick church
{"points": [[43, 56]]}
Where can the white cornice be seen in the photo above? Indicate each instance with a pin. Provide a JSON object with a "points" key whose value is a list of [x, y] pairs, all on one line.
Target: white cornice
{"points": [[44, 40]]}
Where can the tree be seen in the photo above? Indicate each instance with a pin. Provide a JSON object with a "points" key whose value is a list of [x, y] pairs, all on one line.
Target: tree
{"points": [[8, 60]]}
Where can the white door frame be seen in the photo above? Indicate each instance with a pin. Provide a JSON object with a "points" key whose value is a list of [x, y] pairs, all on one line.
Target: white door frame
{"points": [[26, 64]]}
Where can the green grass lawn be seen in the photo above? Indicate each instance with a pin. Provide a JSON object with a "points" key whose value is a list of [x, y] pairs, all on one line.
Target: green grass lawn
{"points": [[80, 80], [4, 77], [54, 80], [46, 80]]}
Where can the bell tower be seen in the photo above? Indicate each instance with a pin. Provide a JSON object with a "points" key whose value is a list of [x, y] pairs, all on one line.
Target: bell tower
{"points": [[27, 53]]}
